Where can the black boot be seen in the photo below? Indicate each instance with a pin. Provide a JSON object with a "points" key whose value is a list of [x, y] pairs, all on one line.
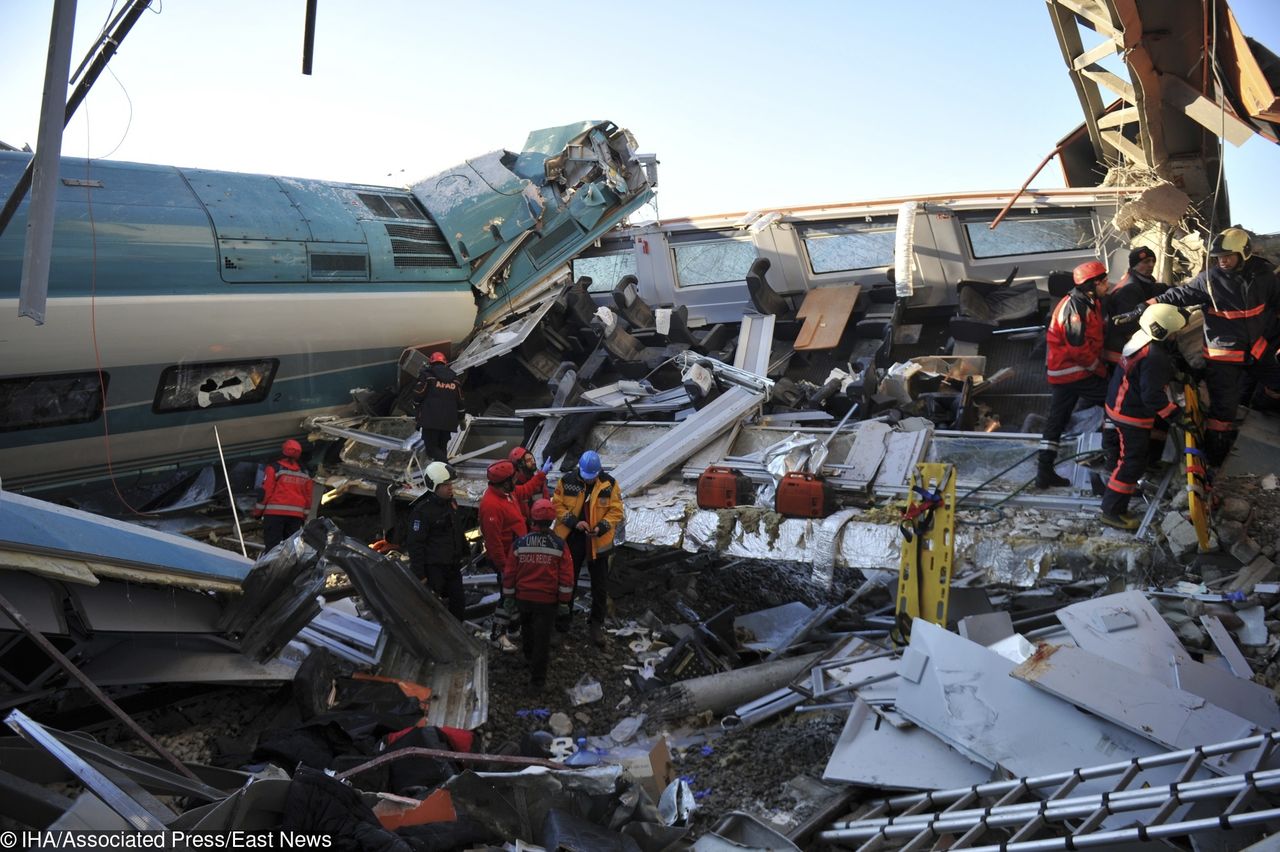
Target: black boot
{"points": [[1216, 447], [1046, 476], [1110, 449]]}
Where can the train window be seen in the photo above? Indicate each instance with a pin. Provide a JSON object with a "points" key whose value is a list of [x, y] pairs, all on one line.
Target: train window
{"points": [[193, 387], [1029, 234], [843, 248], [37, 402], [392, 206], [604, 270], [710, 258]]}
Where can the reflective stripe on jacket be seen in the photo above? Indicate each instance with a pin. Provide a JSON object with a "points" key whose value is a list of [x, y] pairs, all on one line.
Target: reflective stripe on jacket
{"points": [[541, 569], [601, 500], [1241, 309], [1139, 391], [286, 490], [1074, 339]]}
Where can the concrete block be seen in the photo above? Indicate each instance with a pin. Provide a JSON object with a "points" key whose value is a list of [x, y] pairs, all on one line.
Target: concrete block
{"points": [[1181, 535], [1229, 532], [1246, 550], [1235, 509]]}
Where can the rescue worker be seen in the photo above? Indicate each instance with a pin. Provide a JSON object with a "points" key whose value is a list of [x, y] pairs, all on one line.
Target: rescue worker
{"points": [[1241, 300], [501, 521], [438, 397], [1073, 360], [589, 511], [436, 539], [526, 468], [1139, 403], [285, 497], [538, 584], [1136, 289]]}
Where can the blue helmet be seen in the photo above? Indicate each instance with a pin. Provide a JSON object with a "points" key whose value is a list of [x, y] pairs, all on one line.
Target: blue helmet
{"points": [[589, 465]]}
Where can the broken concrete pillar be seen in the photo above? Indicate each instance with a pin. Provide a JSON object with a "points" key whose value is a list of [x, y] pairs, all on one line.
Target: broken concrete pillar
{"points": [[722, 692]]}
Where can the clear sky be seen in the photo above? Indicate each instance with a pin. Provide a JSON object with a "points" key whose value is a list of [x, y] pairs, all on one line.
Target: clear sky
{"points": [[746, 103]]}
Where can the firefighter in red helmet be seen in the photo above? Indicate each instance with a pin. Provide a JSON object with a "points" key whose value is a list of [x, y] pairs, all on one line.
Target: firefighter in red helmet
{"points": [[285, 496], [1073, 360], [438, 400]]}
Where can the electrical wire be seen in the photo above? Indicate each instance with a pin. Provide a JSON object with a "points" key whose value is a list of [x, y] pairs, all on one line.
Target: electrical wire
{"points": [[128, 123], [93, 324]]}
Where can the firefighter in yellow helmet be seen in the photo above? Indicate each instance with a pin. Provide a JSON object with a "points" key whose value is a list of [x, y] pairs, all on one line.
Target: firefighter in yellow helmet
{"points": [[1241, 300]]}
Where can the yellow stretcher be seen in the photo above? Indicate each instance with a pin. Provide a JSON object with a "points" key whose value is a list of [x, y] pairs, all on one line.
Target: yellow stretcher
{"points": [[928, 549], [1197, 470]]}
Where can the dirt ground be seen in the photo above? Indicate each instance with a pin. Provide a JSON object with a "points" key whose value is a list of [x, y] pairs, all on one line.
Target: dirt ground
{"points": [[753, 770]]}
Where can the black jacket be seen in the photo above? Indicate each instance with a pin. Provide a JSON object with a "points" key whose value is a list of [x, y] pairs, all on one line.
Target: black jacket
{"points": [[1132, 291], [1139, 388], [435, 533], [1241, 309], [438, 395]]}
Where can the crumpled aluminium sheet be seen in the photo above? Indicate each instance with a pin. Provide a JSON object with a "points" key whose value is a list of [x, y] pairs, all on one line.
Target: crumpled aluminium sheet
{"points": [[790, 454]]}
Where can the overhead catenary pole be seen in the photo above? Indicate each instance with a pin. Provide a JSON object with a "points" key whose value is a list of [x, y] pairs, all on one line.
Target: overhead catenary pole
{"points": [[231, 496], [36, 256]]}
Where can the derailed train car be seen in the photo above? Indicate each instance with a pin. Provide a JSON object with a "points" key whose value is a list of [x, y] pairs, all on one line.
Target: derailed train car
{"points": [[182, 298]]}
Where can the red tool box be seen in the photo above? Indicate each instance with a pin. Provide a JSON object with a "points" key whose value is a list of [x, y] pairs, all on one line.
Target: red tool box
{"points": [[804, 495], [724, 488]]}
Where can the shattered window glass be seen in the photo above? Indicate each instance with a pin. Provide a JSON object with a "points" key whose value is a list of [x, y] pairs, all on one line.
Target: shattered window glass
{"points": [[191, 387], [851, 247], [604, 270], [1030, 235], [34, 402], [716, 262]]}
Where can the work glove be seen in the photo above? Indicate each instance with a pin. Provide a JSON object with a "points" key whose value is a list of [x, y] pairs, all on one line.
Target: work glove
{"points": [[507, 611], [564, 610], [601, 528], [1128, 317], [547, 465]]}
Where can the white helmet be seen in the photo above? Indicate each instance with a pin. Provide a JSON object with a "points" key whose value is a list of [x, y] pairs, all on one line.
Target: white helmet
{"points": [[1157, 322], [439, 473]]}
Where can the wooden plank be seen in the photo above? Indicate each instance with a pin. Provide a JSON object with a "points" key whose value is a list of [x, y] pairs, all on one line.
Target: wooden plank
{"points": [[825, 312]]}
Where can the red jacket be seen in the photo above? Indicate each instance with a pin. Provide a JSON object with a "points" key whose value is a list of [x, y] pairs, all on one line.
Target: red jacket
{"points": [[1074, 340], [541, 569], [502, 522], [286, 490], [541, 493]]}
